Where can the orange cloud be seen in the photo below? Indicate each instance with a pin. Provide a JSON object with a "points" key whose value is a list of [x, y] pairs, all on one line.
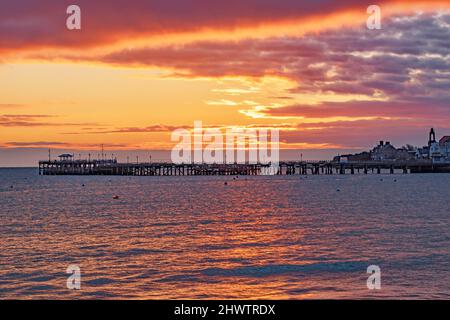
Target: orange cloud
{"points": [[29, 24], [21, 120]]}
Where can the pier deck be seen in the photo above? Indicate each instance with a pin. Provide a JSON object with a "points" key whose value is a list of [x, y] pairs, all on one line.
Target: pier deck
{"points": [[111, 167]]}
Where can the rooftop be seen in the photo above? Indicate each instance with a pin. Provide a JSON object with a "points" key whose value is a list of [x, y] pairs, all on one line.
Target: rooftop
{"points": [[444, 140], [65, 155]]}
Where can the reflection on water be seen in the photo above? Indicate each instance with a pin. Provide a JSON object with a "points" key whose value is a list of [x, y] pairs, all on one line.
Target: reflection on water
{"points": [[194, 237]]}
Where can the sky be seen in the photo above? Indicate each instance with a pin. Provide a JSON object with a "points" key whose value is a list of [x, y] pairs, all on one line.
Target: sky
{"points": [[137, 71]]}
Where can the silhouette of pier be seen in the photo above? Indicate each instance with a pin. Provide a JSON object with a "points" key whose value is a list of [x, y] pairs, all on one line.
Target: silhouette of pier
{"points": [[112, 167]]}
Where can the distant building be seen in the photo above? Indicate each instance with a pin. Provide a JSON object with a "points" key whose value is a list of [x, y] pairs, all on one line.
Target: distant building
{"points": [[426, 152], [359, 157], [423, 153], [384, 151], [439, 152]]}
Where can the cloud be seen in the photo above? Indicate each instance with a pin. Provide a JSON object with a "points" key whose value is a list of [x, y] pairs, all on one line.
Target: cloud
{"points": [[59, 145], [349, 134], [407, 61], [23, 120], [33, 120], [35, 144], [222, 102], [10, 105], [355, 109], [156, 128], [356, 61], [398, 77], [402, 71], [252, 58], [353, 134], [363, 134], [30, 23]]}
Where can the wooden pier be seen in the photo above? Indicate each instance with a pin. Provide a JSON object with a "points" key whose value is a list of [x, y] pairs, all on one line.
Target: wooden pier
{"points": [[112, 167]]}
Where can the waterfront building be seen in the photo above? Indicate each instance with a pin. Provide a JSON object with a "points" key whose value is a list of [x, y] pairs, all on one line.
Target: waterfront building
{"points": [[384, 151], [440, 151], [437, 151]]}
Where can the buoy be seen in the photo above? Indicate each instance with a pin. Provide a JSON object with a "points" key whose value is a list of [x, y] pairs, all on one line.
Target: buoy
{"points": [[12, 187], [82, 185], [338, 190], [226, 183]]}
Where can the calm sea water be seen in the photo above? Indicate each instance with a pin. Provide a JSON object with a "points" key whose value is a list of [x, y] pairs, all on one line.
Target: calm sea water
{"points": [[193, 237]]}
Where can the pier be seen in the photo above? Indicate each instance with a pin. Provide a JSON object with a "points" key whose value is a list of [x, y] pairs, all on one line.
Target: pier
{"points": [[112, 167]]}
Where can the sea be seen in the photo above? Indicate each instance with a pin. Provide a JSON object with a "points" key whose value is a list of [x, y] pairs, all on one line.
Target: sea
{"points": [[224, 237]]}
